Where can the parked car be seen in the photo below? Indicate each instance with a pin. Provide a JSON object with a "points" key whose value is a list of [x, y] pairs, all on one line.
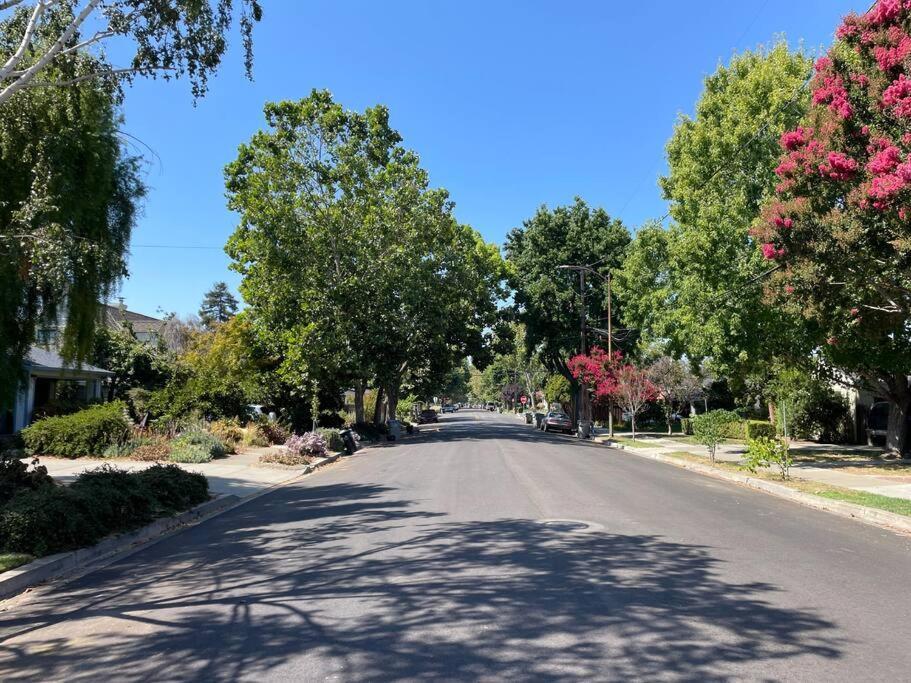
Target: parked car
{"points": [[491, 406], [448, 408], [426, 416], [554, 421], [878, 423]]}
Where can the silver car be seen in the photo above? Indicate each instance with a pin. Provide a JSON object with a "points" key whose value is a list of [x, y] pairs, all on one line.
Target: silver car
{"points": [[555, 421]]}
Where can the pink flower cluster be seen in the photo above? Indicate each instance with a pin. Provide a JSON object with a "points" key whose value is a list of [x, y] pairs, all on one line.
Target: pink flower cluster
{"points": [[833, 93], [886, 159], [597, 369], [795, 139], [896, 50], [771, 252], [886, 11], [838, 166], [898, 97]]}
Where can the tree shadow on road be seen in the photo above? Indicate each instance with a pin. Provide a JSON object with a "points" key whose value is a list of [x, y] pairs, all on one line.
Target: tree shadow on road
{"points": [[355, 581]]}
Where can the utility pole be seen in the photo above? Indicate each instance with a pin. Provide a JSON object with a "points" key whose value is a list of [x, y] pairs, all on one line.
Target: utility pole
{"points": [[583, 408], [610, 356]]}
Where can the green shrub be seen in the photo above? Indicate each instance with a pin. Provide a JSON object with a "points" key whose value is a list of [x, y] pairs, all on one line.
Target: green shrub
{"points": [[16, 476], [195, 446], [333, 439], [737, 429], [711, 428], [274, 432], [118, 499], [56, 518], [768, 452], [88, 432], [48, 520], [756, 429], [174, 489], [686, 425], [253, 437], [126, 449]]}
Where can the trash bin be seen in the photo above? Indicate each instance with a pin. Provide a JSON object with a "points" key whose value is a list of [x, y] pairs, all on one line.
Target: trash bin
{"points": [[394, 430], [349, 441], [529, 418]]}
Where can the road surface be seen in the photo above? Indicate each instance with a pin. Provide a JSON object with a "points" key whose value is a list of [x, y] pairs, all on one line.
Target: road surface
{"points": [[445, 558]]}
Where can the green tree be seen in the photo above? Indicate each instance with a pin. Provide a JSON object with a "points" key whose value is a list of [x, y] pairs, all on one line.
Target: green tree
{"points": [[354, 269], [170, 38], [69, 201], [547, 300], [218, 305], [693, 287], [134, 363]]}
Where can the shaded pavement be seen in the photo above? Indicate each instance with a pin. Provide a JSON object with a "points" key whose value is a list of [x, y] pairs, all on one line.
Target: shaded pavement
{"points": [[436, 559]]}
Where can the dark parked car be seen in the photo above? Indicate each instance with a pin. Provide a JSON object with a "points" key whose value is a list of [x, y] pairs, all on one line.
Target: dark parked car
{"points": [[426, 416], [557, 422]]}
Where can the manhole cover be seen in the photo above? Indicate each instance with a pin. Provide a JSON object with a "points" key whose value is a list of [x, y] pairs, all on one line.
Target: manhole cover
{"points": [[569, 525]]}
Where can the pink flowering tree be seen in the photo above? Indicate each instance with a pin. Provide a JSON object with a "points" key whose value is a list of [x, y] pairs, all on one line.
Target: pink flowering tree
{"points": [[839, 225], [597, 370], [633, 391]]}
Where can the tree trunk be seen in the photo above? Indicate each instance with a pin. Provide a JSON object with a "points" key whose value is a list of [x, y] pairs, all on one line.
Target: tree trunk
{"points": [[669, 414], [378, 408], [633, 422], [359, 401], [392, 393], [897, 441]]}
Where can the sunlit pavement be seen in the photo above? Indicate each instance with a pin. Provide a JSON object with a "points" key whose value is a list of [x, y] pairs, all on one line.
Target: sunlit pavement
{"points": [[486, 550]]}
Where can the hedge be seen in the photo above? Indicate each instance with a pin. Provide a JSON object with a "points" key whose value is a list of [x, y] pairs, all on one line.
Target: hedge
{"points": [[333, 437], [750, 429], [686, 425], [86, 433], [54, 518]]}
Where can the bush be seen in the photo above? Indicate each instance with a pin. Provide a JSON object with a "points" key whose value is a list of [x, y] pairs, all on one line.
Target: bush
{"points": [[118, 499], [333, 439], [229, 432], [686, 425], [757, 429], [154, 449], [88, 432], [173, 488], [768, 452], [283, 456], [56, 518], [308, 443], [46, 521], [711, 428], [16, 476], [253, 437], [820, 413], [126, 449], [272, 431], [195, 446]]}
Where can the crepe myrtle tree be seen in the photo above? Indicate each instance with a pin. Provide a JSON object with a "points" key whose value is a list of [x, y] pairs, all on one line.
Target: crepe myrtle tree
{"points": [[838, 230], [634, 391], [170, 38]]}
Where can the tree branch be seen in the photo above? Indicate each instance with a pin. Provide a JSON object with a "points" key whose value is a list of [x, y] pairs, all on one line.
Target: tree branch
{"points": [[25, 42], [95, 74]]}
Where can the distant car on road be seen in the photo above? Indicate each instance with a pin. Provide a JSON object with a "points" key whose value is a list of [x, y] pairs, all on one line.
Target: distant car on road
{"points": [[555, 421], [448, 408], [426, 416], [491, 406]]}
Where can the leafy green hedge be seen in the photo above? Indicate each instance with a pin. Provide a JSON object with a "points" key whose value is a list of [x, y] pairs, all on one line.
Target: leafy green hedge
{"points": [[54, 518], [333, 439], [686, 425], [751, 429], [196, 446], [86, 433]]}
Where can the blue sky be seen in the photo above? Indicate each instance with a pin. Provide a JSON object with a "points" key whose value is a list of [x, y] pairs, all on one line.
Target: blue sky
{"points": [[509, 104]]}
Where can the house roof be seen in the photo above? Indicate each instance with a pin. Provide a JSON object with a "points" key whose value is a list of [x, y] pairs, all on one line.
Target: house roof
{"points": [[48, 362], [115, 315]]}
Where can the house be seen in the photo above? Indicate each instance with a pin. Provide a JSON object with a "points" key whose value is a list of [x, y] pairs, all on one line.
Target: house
{"points": [[146, 328], [49, 377]]}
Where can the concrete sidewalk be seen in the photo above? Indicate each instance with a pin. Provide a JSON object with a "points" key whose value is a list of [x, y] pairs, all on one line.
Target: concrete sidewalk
{"points": [[241, 474], [826, 472]]}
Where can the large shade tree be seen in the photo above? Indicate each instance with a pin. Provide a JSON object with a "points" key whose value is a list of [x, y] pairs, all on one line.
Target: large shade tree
{"points": [[354, 269], [839, 228], [692, 288], [547, 299]]}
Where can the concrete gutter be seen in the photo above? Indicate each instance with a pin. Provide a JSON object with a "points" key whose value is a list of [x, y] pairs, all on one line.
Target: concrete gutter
{"points": [[55, 566], [867, 515]]}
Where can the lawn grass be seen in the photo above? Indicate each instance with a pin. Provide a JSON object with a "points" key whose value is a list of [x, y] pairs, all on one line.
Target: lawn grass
{"points": [[12, 560], [623, 441], [899, 506]]}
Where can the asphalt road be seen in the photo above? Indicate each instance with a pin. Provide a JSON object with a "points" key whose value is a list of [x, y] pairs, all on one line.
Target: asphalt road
{"points": [[434, 560]]}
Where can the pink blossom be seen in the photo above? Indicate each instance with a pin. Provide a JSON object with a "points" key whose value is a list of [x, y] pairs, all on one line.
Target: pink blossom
{"points": [[789, 289], [771, 252], [898, 96], [783, 222], [849, 27], [885, 11], [793, 139], [832, 341], [855, 311], [832, 92], [883, 188], [838, 166], [892, 55], [885, 160], [903, 171]]}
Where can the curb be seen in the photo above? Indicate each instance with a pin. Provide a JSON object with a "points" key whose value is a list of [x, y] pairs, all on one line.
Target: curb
{"points": [[879, 518], [55, 566]]}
